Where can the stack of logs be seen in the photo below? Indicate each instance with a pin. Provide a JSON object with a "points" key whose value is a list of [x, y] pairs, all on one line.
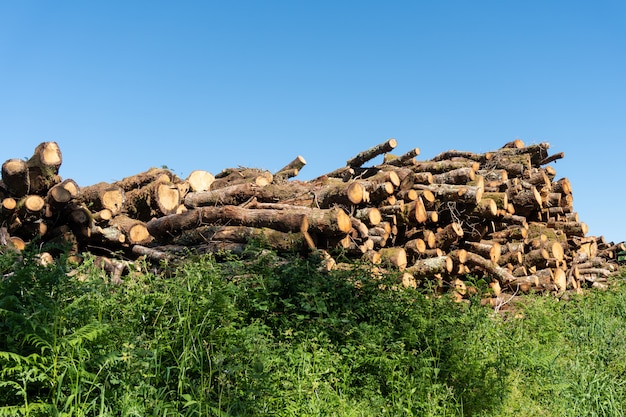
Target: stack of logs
{"points": [[501, 214]]}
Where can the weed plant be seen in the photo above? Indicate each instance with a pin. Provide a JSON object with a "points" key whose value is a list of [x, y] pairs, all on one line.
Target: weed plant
{"points": [[269, 335]]}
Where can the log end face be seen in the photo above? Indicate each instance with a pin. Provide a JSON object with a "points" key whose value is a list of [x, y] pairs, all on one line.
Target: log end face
{"points": [[344, 223]]}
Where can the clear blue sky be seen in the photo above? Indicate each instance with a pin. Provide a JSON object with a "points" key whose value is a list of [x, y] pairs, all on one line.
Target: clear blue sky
{"points": [[126, 85]]}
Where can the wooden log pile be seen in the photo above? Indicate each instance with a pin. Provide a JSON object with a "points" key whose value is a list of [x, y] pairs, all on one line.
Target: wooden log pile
{"points": [[502, 214]]}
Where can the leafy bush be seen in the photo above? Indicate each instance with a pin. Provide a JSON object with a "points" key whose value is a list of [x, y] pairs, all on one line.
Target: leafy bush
{"points": [[276, 336]]}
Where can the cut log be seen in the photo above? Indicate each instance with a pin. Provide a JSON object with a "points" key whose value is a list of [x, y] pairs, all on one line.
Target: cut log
{"points": [[151, 253], [9, 204], [291, 169], [487, 249], [456, 176], [377, 176], [32, 205], [233, 176], [426, 268], [15, 177], [441, 166], [406, 159], [370, 215], [395, 256], [486, 208], [491, 268], [371, 153], [514, 144], [536, 258], [232, 195], [526, 201], [107, 235], [80, 220], [58, 196], [136, 231], [448, 235], [423, 178], [283, 176], [359, 229], [334, 193], [552, 158], [200, 180], [151, 176], [459, 258], [513, 219], [461, 155], [579, 229], [415, 248], [152, 200], [17, 243], [103, 196], [332, 221], [407, 195], [429, 238], [512, 233], [562, 186], [414, 211], [493, 175], [103, 215], [377, 193], [279, 241], [456, 193], [43, 167], [538, 178], [408, 281], [536, 152]]}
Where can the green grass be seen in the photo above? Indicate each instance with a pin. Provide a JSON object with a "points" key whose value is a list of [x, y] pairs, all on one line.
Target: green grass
{"points": [[279, 337]]}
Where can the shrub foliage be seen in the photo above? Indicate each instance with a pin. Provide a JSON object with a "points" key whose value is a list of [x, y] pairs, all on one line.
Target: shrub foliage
{"points": [[276, 336]]}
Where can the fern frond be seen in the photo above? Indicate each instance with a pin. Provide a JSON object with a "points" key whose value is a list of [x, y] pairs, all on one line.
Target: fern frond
{"points": [[88, 332], [39, 342], [33, 358], [23, 410]]}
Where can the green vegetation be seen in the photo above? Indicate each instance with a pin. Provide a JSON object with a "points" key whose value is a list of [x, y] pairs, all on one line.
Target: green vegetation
{"points": [[276, 337]]}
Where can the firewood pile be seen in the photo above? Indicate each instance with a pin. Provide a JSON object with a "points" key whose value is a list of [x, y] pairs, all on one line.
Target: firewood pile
{"points": [[500, 214]]}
